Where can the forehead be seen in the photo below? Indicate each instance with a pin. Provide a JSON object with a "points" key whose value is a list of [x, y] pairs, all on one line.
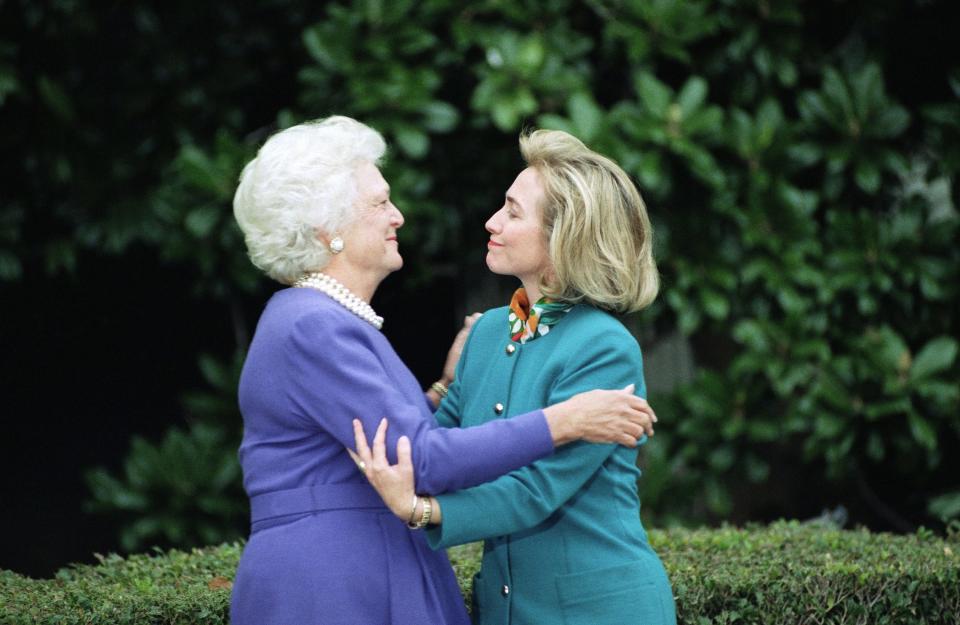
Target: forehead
{"points": [[369, 180], [527, 189]]}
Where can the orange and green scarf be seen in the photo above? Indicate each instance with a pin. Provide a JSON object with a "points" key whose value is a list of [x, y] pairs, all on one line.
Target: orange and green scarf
{"points": [[529, 322]]}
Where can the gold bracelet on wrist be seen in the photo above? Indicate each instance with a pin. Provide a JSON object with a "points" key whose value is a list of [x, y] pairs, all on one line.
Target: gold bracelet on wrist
{"points": [[425, 515], [413, 510], [440, 389], [415, 525], [427, 512]]}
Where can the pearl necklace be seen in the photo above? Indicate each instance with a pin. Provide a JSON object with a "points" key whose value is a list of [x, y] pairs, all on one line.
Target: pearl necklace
{"points": [[341, 295]]}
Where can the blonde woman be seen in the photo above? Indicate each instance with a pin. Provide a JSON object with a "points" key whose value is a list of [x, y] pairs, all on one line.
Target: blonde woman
{"points": [[563, 541]]}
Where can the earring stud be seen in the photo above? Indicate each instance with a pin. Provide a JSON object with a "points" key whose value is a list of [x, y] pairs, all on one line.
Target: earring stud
{"points": [[336, 245]]}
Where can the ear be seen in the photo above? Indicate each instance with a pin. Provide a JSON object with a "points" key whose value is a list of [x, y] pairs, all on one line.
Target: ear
{"points": [[334, 244]]}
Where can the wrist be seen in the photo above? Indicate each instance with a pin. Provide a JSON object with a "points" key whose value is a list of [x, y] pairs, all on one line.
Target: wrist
{"points": [[439, 388], [423, 512], [560, 422], [436, 516], [415, 510]]}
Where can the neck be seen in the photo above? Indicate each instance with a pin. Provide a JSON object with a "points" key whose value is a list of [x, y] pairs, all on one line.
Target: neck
{"points": [[532, 287], [362, 286]]}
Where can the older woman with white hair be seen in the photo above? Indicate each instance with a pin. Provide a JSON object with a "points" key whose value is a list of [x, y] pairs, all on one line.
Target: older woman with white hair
{"points": [[317, 216], [563, 541]]}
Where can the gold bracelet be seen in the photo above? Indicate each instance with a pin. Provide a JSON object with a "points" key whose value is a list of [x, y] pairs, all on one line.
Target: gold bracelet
{"points": [[412, 524], [427, 512], [440, 389], [413, 511], [425, 516]]}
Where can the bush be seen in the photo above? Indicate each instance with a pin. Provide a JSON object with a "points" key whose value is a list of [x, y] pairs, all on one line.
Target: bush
{"points": [[186, 491], [783, 573]]}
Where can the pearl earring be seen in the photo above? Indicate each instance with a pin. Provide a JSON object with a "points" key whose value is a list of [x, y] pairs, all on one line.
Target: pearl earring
{"points": [[336, 245]]}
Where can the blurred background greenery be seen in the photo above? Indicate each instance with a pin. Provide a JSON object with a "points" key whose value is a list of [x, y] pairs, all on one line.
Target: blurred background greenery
{"points": [[798, 159]]}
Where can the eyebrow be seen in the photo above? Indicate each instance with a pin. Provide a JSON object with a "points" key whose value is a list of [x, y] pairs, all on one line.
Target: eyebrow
{"points": [[513, 201]]}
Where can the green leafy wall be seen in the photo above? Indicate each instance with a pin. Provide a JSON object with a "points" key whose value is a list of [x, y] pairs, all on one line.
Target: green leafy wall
{"points": [[798, 160]]}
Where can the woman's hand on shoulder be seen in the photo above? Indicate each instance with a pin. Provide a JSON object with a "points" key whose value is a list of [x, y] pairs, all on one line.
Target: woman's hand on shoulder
{"points": [[601, 416]]}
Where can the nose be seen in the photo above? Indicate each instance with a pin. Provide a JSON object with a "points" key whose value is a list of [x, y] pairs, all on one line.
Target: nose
{"points": [[493, 224], [397, 218]]}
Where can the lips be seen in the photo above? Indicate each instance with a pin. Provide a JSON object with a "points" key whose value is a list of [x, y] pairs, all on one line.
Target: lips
{"points": [[492, 243]]}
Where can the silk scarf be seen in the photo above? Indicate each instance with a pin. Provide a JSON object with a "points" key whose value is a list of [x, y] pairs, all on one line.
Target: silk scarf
{"points": [[529, 322]]}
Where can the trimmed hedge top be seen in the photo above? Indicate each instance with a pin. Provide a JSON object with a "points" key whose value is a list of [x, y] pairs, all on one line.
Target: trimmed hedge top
{"points": [[175, 587], [783, 573], [793, 573]]}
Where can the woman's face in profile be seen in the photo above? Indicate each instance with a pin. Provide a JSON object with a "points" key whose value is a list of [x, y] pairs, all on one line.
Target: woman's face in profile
{"points": [[370, 242], [517, 245]]}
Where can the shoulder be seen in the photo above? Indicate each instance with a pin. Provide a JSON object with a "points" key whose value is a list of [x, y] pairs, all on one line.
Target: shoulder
{"points": [[306, 314], [587, 325], [293, 303], [489, 331], [595, 350], [492, 322]]}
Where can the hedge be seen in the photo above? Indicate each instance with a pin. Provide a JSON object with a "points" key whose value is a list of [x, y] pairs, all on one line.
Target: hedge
{"points": [[786, 572]]}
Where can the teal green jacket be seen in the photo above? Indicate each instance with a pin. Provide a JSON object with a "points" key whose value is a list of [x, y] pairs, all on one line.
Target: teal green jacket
{"points": [[563, 542]]}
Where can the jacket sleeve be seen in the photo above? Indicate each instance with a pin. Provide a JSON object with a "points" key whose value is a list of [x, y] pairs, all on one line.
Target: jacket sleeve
{"points": [[448, 412], [336, 374], [528, 496]]}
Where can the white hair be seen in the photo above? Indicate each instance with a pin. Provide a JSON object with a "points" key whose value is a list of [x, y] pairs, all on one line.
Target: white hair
{"points": [[301, 183]]}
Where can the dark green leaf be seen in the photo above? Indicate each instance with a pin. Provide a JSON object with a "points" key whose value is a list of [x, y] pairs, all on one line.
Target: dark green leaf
{"points": [[922, 431], [412, 141], [692, 95], [586, 116], [440, 116], [936, 356], [868, 176], [654, 94]]}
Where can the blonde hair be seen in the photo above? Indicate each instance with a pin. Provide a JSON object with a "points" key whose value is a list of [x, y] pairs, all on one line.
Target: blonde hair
{"points": [[302, 182], [599, 236]]}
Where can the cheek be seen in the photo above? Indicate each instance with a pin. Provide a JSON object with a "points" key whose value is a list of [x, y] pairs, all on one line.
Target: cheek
{"points": [[534, 245], [538, 256]]}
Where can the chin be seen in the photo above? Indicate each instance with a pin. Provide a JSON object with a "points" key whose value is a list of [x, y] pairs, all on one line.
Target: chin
{"points": [[494, 268]]}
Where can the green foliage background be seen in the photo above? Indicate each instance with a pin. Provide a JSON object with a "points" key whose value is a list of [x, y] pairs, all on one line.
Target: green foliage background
{"points": [[798, 160]]}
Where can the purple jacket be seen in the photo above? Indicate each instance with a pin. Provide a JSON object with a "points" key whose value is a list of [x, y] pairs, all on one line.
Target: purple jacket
{"points": [[323, 549]]}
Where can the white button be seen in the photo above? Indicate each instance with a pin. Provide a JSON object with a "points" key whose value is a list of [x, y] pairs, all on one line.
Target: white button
{"points": [[498, 408], [511, 348], [505, 590]]}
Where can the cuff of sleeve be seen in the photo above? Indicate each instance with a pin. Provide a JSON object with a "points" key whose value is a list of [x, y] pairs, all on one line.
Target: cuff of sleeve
{"points": [[452, 530], [535, 430]]}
